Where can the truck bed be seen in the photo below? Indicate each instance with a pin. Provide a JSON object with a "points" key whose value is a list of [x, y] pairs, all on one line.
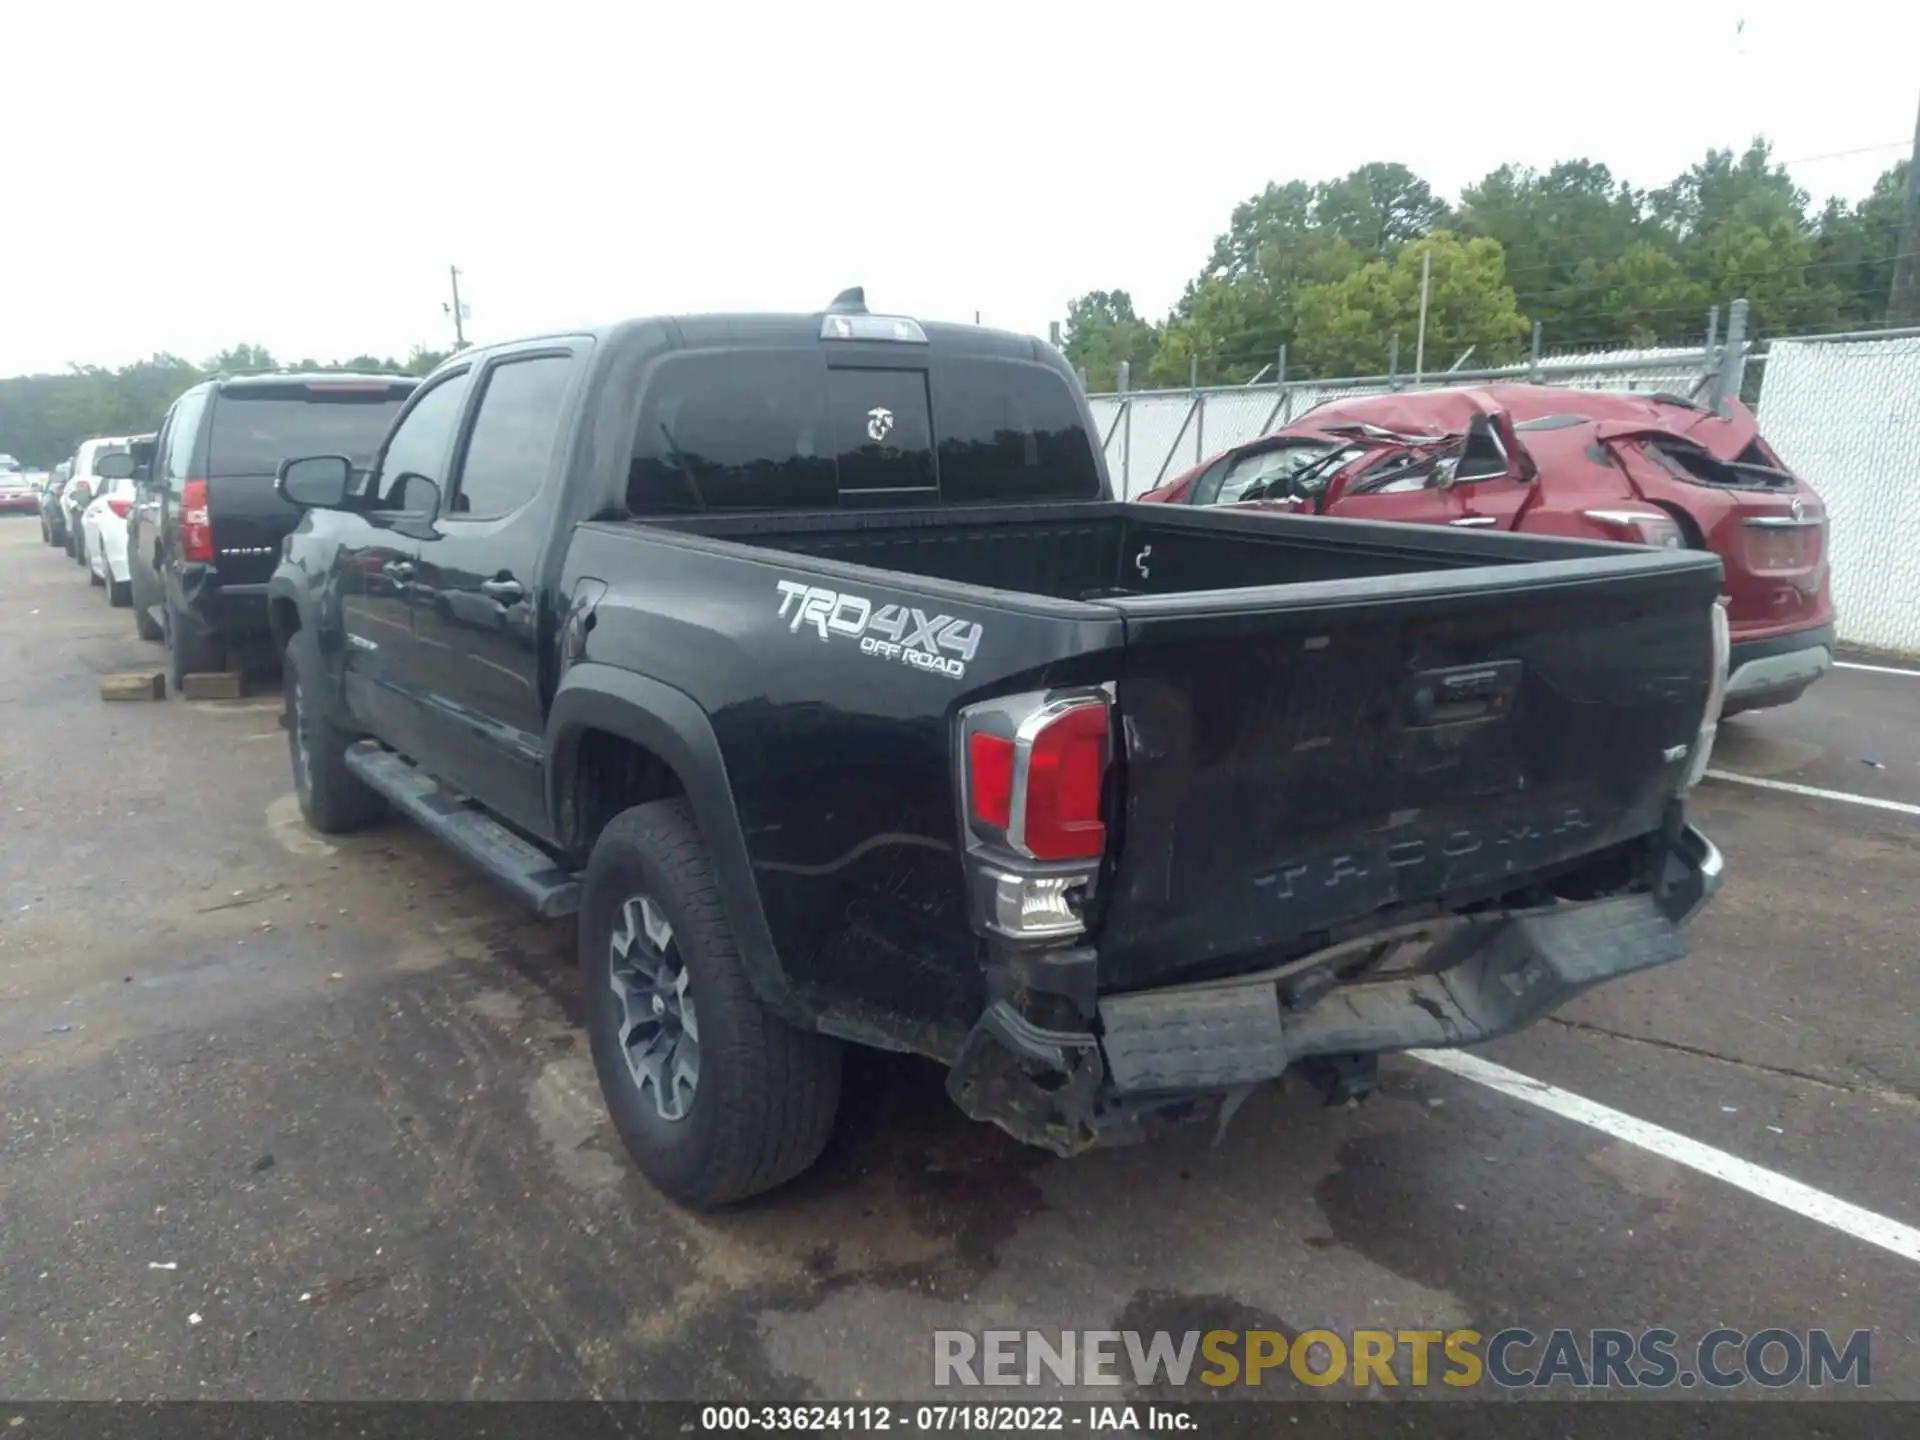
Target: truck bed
{"points": [[1108, 550], [1328, 726]]}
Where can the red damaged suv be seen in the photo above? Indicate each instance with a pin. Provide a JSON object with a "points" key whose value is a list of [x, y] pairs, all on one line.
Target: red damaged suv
{"points": [[1639, 468]]}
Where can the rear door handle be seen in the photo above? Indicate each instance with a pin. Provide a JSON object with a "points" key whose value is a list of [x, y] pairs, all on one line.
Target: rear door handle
{"points": [[1476, 520], [506, 589]]}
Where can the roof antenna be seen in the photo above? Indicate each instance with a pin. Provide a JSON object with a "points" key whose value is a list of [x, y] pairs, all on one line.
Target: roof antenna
{"points": [[851, 301]]}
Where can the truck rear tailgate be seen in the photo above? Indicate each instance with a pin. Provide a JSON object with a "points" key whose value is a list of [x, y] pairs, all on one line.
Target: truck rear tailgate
{"points": [[1300, 758]]}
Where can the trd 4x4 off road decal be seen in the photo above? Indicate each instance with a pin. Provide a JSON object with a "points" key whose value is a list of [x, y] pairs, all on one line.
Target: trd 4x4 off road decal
{"points": [[940, 643]]}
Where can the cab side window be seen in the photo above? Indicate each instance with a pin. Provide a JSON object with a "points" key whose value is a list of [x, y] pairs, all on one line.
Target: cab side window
{"points": [[420, 446], [511, 441]]}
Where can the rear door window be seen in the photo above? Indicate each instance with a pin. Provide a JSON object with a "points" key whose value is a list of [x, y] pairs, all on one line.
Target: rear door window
{"points": [[735, 431], [781, 430], [1010, 431], [255, 427], [420, 445], [883, 433], [512, 436]]}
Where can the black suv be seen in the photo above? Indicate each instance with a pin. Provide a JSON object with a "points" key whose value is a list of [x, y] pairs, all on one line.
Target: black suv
{"points": [[206, 526]]}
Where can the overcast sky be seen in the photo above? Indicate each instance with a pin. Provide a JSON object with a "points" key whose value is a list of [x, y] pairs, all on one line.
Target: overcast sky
{"points": [[184, 177]]}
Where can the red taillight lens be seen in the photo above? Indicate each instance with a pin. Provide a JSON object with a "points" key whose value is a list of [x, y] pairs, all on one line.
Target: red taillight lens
{"points": [[1034, 772], [1640, 527], [990, 779], [1064, 771], [196, 530], [121, 505]]}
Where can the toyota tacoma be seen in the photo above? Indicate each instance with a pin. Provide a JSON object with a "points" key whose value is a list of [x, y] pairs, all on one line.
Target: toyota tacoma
{"points": [[809, 659]]}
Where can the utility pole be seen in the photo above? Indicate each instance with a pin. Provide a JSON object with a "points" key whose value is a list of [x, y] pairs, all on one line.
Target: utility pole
{"points": [[1420, 341], [457, 310], [1903, 302]]}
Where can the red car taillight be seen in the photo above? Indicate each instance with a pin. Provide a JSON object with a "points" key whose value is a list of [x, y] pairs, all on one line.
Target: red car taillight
{"points": [[196, 529], [1039, 787], [1640, 527], [121, 505]]}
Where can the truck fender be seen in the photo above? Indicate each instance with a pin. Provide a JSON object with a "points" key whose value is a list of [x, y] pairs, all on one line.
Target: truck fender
{"points": [[284, 590], [672, 725]]}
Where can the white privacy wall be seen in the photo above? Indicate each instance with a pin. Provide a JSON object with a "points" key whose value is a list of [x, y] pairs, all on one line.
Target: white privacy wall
{"points": [[1846, 415]]}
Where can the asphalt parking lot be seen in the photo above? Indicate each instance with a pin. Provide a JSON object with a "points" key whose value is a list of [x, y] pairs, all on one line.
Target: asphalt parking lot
{"points": [[291, 1118]]}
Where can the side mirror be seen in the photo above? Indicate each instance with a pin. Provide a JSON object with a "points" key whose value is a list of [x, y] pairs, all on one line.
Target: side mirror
{"points": [[116, 465], [317, 482], [419, 496]]}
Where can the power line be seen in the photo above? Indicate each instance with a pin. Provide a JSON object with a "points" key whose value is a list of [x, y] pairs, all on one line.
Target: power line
{"points": [[1840, 154]]}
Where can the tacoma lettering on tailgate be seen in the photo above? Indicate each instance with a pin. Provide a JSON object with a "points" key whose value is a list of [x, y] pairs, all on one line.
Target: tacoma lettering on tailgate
{"points": [[1284, 882], [940, 643]]}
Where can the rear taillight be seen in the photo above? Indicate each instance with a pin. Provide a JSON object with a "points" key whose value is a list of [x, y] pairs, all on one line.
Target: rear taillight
{"points": [[1065, 766], [196, 529], [990, 779], [121, 505], [1640, 527], [1034, 775], [1039, 787]]}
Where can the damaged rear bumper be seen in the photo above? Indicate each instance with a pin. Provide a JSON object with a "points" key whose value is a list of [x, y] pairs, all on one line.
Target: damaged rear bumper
{"points": [[1161, 1056]]}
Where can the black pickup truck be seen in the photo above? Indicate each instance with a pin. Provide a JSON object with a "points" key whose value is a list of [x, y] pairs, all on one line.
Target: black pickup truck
{"points": [[809, 660]]}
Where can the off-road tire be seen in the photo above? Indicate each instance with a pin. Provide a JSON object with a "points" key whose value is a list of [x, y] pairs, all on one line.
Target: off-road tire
{"points": [[763, 1106], [334, 800]]}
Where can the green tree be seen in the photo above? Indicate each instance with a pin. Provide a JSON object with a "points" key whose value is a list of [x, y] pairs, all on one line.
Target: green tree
{"points": [[1271, 225], [1346, 327], [43, 418], [420, 361], [1854, 246], [237, 359], [1739, 226], [1226, 322], [1102, 331], [1646, 297], [1378, 208], [1562, 230]]}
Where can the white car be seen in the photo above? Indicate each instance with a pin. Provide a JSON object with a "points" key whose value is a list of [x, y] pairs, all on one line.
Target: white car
{"points": [[82, 486], [104, 523]]}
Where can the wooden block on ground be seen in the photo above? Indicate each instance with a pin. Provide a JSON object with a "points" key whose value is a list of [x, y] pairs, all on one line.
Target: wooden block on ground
{"points": [[213, 685], [141, 685]]}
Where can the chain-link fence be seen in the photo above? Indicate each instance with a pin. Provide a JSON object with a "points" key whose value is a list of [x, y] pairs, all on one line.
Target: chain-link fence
{"points": [[1152, 436], [1844, 411]]}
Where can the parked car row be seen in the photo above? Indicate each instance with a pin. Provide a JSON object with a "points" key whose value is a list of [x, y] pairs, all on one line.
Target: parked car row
{"points": [[183, 525], [1648, 469]]}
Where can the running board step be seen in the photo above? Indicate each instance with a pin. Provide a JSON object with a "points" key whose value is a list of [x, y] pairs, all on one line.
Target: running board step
{"points": [[523, 868]]}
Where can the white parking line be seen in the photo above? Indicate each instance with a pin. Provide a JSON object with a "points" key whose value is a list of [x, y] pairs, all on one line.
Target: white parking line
{"points": [[1768, 1185], [1875, 669], [1900, 807]]}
